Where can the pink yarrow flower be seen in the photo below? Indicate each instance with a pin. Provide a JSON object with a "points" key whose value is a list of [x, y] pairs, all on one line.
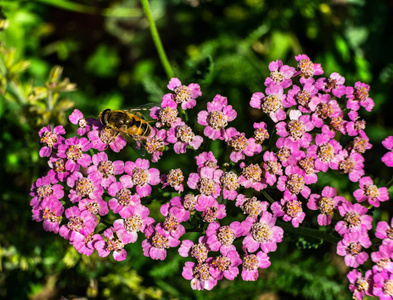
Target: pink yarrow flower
{"points": [[382, 285], [216, 118], [221, 238], [358, 96], [113, 243], [104, 169], [307, 69], [360, 285], [80, 223], [251, 263], [51, 139], [240, 145], [155, 144], [77, 118], [50, 211], [370, 192], [140, 175], [355, 218], [101, 137], [122, 197], [184, 95], [82, 187], [272, 103], [384, 231], [290, 209], [199, 274], [351, 248], [135, 218], [167, 114], [326, 203], [226, 265], [43, 188], [156, 243], [280, 74], [262, 234], [181, 136], [73, 149], [334, 84]]}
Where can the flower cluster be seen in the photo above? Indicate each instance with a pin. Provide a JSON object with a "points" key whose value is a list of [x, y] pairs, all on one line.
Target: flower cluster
{"points": [[310, 117]]}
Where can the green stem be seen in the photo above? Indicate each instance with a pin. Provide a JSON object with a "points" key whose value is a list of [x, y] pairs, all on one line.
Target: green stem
{"points": [[117, 12], [157, 40], [267, 196], [389, 184]]}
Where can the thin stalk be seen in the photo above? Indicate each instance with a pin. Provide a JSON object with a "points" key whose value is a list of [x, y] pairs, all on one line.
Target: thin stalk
{"points": [[157, 40], [117, 12]]}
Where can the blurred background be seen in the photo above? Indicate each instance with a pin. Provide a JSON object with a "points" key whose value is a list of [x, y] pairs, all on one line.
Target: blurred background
{"points": [[105, 48]]}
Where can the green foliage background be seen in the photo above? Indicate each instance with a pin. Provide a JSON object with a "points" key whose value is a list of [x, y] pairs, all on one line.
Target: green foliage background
{"points": [[105, 48]]}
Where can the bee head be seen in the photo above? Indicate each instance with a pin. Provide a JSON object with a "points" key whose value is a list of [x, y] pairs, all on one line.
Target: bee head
{"points": [[104, 116]]}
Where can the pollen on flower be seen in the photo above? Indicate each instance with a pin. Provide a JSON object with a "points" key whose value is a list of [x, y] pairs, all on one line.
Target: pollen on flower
{"points": [[75, 224], [202, 272], [107, 135], [170, 223], [189, 202], [303, 98], [226, 235], [371, 191], [207, 186], [272, 167], [74, 152], [168, 115], [250, 262], [210, 214], [105, 168], [337, 123], [277, 76], [325, 152], [252, 172], [307, 164], [293, 208], [260, 135], [123, 196], [295, 183], [388, 287], [154, 144], [93, 207], [222, 263], [50, 215], [362, 284], [326, 205], [140, 176], [354, 248], [238, 142], [183, 94], [199, 252], [347, 165], [175, 177], [361, 93], [159, 241], [252, 206], [306, 67], [283, 154], [49, 138], [185, 134], [133, 224], [60, 166], [115, 244], [325, 110], [359, 144], [352, 218], [229, 181], [84, 186], [360, 125], [217, 120], [296, 129], [271, 103], [44, 191], [262, 233]]}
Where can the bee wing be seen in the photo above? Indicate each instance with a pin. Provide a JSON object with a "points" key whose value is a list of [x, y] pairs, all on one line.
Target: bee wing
{"points": [[136, 144], [142, 111]]}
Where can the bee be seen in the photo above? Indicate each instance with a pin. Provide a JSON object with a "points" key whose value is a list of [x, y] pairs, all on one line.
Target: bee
{"points": [[130, 124]]}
